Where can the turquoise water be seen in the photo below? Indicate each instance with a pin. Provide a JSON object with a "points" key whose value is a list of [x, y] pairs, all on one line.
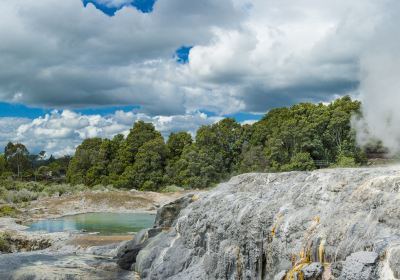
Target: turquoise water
{"points": [[102, 223]]}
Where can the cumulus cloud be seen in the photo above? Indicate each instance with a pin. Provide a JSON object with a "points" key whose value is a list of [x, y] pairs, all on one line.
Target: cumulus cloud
{"points": [[247, 56], [60, 132]]}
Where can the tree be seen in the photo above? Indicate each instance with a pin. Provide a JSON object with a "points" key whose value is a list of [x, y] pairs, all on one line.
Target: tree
{"points": [[222, 142], [3, 164], [148, 170], [253, 159], [86, 155], [140, 134], [17, 156], [300, 161], [176, 144]]}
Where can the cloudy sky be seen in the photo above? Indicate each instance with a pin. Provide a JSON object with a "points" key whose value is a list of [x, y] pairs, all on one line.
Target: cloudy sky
{"points": [[73, 69]]}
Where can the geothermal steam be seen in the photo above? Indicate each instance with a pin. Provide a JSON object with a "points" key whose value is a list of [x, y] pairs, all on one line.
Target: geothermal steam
{"points": [[380, 88]]}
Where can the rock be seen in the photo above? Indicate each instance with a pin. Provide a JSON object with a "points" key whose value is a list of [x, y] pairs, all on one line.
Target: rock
{"points": [[167, 215], [312, 271], [48, 265], [336, 269], [394, 262], [257, 225], [128, 251], [360, 265], [281, 275], [128, 258]]}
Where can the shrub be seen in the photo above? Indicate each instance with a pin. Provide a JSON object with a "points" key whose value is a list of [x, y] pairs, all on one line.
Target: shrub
{"points": [[20, 196], [8, 211], [5, 246]]}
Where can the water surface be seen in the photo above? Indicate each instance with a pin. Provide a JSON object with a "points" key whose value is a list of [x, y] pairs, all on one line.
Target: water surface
{"points": [[102, 223]]}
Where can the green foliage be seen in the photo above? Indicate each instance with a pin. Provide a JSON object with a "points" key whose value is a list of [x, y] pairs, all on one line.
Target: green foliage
{"points": [[140, 134], [5, 246], [176, 144], [3, 165], [300, 161], [253, 159], [293, 138], [171, 188], [86, 157], [8, 211], [148, 170], [196, 169], [17, 156], [319, 130]]}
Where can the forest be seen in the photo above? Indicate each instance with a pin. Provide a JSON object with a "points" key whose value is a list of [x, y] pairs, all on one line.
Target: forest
{"points": [[305, 136]]}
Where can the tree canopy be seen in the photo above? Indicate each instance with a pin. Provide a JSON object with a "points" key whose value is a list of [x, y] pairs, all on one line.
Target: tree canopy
{"points": [[305, 136]]}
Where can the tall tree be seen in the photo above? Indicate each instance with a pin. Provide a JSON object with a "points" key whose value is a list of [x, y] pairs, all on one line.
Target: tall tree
{"points": [[148, 170], [3, 164], [176, 143], [86, 156], [17, 156], [140, 134]]}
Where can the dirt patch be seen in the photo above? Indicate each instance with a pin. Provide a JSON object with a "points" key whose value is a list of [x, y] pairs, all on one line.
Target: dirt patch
{"points": [[86, 240]]}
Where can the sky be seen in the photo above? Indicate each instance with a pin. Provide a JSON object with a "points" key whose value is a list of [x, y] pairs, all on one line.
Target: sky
{"points": [[91, 68]]}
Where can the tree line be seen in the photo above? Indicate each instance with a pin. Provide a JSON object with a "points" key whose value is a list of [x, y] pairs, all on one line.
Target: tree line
{"points": [[302, 137], [19, 163], [285, 139]]}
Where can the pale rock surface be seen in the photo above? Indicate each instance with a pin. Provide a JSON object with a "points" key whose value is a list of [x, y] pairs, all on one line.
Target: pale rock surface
{"points": [[333, 223]]}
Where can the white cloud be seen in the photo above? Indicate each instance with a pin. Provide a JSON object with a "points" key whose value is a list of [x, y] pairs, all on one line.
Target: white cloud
{"points": [[248, 55], [59, 133]]}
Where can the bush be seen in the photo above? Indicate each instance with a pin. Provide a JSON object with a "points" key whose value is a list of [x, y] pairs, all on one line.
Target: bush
{"points": [[8, 211], [5, 246], [345, 161], [20, 196], [301, 162]]}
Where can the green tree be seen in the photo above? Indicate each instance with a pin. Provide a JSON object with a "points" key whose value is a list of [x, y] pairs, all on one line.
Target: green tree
{"points": [[253, 159], [140, 134], [196, 169], [3, 164], [176, 144], [300, 161], [86, 156], [222, 142], [17, 156], [148, 170]]}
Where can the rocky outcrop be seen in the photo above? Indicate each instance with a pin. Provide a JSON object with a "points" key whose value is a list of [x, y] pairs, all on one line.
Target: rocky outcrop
{"points": [[166, 218], [327, 224], [128, 251]]}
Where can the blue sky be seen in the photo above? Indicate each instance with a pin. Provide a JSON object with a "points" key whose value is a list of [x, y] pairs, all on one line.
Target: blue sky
{"points": [[145, 6]]}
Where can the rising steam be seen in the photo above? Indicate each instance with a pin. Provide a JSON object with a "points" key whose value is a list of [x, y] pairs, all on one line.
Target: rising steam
{"points": [[380, 88]]}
